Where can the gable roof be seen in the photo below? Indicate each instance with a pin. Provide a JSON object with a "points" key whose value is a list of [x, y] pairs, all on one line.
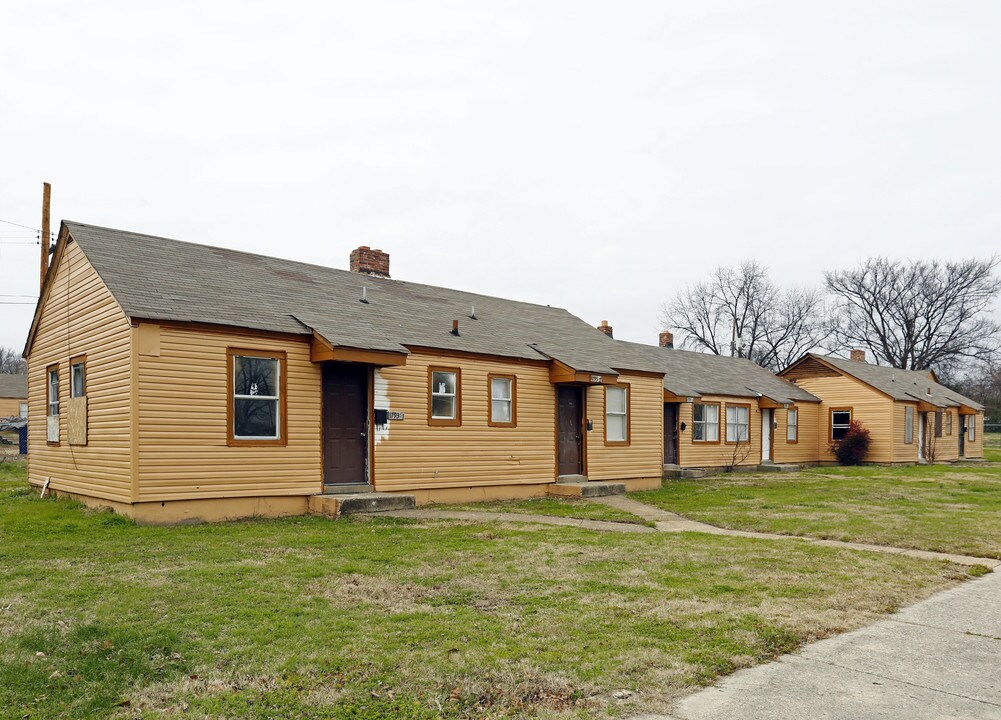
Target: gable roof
{"points": [[902, 385], [693, 374], [13, 386], [160, 279]]}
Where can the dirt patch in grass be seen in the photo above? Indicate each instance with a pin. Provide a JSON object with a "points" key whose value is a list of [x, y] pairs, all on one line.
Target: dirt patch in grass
{"points": [[557, 507]]}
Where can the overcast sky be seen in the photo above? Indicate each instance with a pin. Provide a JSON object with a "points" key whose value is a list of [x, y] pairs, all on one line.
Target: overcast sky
{"points": [[594, 156]]}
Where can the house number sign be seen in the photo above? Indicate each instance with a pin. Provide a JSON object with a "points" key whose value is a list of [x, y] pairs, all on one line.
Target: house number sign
{"points": [[394, 415], [596, 378]]}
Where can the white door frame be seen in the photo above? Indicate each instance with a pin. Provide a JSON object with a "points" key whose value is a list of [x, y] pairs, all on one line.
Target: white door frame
{"points": [[766, 436]]}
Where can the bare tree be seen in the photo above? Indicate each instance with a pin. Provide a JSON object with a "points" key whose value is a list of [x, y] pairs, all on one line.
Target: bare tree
{"points": [[740, 312], [918, 315], [11, 362]]}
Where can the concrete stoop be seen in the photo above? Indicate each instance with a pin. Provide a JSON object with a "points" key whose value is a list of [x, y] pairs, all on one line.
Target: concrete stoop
{"points": [[780, 467], [674, 472], [586, 489], [335, 505]]}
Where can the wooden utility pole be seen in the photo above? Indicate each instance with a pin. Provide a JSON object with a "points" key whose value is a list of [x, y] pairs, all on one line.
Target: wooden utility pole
{"points": [[44, 268]]}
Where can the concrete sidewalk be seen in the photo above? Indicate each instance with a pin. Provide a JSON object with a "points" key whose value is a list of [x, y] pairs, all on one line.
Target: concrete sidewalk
{"points": [[938, 659]]}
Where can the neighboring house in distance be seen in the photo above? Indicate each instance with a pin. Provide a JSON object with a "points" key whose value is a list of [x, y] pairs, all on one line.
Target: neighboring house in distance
{"points": [[13, 395], [200, 382], [910, 416], [722, 411]]}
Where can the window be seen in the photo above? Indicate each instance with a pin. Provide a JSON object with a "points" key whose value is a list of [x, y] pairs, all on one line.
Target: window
{"points": [[502, 400], [737, 420], [938, 424], [445, 396], [840, 420], [908, 425], [616, 413], [22, 410], [52, 391], [948, 422], [258, 405], [792, 425], [705, 422], [78, 377], [972, 429]]}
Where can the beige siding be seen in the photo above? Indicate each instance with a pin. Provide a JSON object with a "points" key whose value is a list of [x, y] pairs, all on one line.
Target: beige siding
{"points": [[702, 454], [947, 446], [805, 450], [903, 451], [873, 409], [10, 407], [975, 449], [644, 456], [81, 317], [183, 396], [410, 454]]}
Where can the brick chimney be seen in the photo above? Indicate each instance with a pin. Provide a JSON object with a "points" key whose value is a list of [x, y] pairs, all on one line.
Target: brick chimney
{"points": [[605, 328], [666, 339], [367, 261], [858, 355]]}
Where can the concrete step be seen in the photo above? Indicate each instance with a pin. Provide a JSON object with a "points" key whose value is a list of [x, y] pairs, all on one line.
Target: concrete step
{"points": [[780, 467], [568, 479], [586, 489], [673, 472], [337, 504], [345, 488]]}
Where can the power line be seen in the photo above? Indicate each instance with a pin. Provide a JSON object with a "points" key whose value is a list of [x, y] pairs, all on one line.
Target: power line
{"points": [[20, 225], [8, 302]]}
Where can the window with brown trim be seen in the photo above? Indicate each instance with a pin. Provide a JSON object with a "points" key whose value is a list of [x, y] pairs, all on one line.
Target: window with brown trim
{"points": [[948, 422], [841, 419], [78, 376], [52, 390], [738, 423], [444, 396], [705, 422], [938, 424], [972, 429], [617, 414], [257, 406], [792, 425], [908, 425], [503, 399]]}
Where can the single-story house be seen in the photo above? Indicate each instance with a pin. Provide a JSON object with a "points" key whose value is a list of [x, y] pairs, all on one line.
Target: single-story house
{"points": [[730, 412], [13, 395], [170, 381], [910, 416]]}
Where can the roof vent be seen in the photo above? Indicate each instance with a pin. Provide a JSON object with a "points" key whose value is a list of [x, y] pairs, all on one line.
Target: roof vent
{"points": [[367, 261], [472, 312], [364, 295]]}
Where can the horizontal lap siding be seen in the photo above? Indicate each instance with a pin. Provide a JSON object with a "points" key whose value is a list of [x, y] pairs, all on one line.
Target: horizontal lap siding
{"points": [[644, 456], [947, 446], [873, 409], [9, 407], [699, 454], [413, 455], [975, 449], [183, 396], [81, 317], [904, 451], [804, 451]]}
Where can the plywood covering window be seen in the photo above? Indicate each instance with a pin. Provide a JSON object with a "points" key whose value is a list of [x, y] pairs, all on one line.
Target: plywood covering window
{"points": [[738, 419], [78, 377], [617, 414], [841, 419], [444, 396], [503, 400], [908, 425], [705, 422], [792, 425], [257, 406]]}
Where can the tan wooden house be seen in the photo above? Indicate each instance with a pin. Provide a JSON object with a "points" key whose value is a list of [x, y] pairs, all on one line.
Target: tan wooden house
{"points": [[13, 395], [175, 381], [911, 417]]}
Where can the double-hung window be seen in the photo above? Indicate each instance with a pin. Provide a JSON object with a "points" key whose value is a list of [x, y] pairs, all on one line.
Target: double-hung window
{"points": [[792, 425], [738, 418], [705, 422], [257, 402], [444, 396], [841, 419], [502, 400], [948, 422], [972, 429], [78, 377], [617, 413], [52, 391], [908, 425]]}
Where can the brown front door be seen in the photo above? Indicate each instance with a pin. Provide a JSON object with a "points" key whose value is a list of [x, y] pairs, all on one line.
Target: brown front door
{"points": [[569, 414], [345, 423], [670, 433]]}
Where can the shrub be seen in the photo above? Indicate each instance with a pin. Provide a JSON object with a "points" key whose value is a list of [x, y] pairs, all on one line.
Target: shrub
{"points": [[853, 447]]}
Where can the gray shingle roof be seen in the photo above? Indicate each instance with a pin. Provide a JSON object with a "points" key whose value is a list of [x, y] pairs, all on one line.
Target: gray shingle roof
{"points": [[161, 279], [907, 385], [692, 374], [13, 386]]}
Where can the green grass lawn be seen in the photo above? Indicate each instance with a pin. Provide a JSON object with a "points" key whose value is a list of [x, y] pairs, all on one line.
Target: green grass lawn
{"points": [[560, 507], [375, 617], [992, 447], [937, 507]]}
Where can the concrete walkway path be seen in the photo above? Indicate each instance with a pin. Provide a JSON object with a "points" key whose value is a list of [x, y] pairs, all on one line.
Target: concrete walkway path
{"points": [[670, 522], [937, 659]]}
